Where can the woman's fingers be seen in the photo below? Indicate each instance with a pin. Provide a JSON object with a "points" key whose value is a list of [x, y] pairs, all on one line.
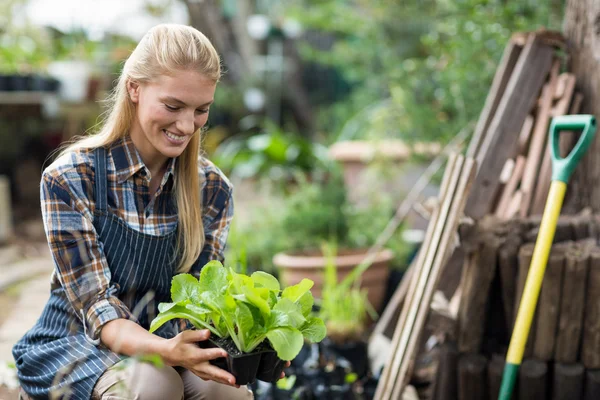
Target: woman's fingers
{"points": [[192, 335], [211, 354], [208, 371]]}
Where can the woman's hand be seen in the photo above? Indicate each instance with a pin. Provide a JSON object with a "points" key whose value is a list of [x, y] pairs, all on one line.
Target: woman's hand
{"points": [[183, 350]]}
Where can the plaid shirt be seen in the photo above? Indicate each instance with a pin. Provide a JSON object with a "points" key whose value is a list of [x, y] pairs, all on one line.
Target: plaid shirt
{"points": [[68, 204]]}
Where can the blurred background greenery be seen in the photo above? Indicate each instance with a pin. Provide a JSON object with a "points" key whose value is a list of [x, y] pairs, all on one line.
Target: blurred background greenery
{"points": [[301, 76]]}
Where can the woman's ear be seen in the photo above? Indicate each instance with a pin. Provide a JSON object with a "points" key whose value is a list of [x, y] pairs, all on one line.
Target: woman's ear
{"points": [[133, 88]]}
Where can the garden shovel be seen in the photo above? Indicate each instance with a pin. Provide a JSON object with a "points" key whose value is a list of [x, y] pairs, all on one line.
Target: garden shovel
{"points": [[562, 169]]}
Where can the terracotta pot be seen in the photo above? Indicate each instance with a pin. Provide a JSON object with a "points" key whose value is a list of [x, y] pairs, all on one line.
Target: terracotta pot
{"points": [[294, 267]]}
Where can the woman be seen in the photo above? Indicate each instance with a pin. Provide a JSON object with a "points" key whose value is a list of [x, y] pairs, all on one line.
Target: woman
{"points": [[124, 210]]}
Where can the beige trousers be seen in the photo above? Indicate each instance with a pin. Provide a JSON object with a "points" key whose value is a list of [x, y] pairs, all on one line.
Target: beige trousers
{"points": [[131, 379]]}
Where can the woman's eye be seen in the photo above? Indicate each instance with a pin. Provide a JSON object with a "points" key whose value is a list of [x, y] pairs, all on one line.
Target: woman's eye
{"points": [[171, 108], [204, 111]]}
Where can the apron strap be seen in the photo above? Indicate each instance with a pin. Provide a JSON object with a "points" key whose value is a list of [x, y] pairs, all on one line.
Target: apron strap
{"points": [[101, 182]]}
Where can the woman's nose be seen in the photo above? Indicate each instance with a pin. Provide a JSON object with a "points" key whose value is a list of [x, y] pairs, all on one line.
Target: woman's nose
{"points": [[185, 124]]}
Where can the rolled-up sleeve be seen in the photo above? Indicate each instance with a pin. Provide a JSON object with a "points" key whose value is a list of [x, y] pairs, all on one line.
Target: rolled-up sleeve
{"points": [[80, 264]]}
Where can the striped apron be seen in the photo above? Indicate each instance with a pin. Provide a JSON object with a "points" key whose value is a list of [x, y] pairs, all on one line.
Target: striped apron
{"points": [[56, 358]]}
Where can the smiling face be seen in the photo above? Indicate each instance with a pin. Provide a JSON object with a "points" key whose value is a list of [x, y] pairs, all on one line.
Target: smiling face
{"points": [[169, 111]]}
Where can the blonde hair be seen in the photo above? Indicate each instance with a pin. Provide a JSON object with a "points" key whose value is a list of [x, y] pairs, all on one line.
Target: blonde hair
{"points": [[164, 48]]}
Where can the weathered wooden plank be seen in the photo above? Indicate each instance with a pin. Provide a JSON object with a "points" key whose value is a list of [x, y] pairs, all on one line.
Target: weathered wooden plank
{"points": [[501, 78], [501, 142], [510, 187], [457, 204], [544, 178], [429, 247], [536, 148]]}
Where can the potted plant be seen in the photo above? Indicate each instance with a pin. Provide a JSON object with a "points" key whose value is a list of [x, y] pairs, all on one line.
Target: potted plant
{"points": [[258, 324], [345, 309], [317, 212]]}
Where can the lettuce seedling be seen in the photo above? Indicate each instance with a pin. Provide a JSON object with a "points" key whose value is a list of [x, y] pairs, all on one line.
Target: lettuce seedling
{"points": [[247, 309]]}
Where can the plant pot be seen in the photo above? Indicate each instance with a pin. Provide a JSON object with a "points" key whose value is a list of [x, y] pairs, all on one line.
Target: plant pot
{"points": [[270, 367], [18, 83], [356, 352], [293, 267], [4, 83], [243, 366]]}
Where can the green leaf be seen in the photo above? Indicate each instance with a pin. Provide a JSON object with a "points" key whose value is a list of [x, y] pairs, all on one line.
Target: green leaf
{"points": [[287, 382], [184, 287], [287, 313], [245, 323], [164, 307], [253, 297], [314, 329], [213, 278], [296, 291], [198, 309], [266, 280], [178, 312], [287, 342], [306, 303]]}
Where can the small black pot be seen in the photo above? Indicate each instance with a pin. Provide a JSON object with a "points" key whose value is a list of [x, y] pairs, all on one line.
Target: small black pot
{"points": [[4, 83], [243, 366], [270, 367], [355, 352]]}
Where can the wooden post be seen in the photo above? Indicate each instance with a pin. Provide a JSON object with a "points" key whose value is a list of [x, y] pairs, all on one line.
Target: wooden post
{"points": [[471, 377], [508, 264], [445, 385], [590, 350], [477, 278], [549, 305], [532, 380], [494, 375], [572, 303], [568, 381], [592, 385], [525, 255]]}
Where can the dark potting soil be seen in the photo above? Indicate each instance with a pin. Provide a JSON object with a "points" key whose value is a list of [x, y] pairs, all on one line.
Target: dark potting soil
{"points": [[228, 345]]}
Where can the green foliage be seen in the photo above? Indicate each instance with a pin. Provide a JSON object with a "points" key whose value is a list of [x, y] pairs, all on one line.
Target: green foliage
{"points": [[248, 309], [272, 154], [315, 213], [419, 69], [345, 307], [287, 382]]}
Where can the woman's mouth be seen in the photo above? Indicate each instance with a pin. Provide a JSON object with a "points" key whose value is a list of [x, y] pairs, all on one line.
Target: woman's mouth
{"points": [[173, 138]]}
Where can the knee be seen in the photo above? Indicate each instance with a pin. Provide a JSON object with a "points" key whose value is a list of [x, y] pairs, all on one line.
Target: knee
{"points": [[148, 382]]}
